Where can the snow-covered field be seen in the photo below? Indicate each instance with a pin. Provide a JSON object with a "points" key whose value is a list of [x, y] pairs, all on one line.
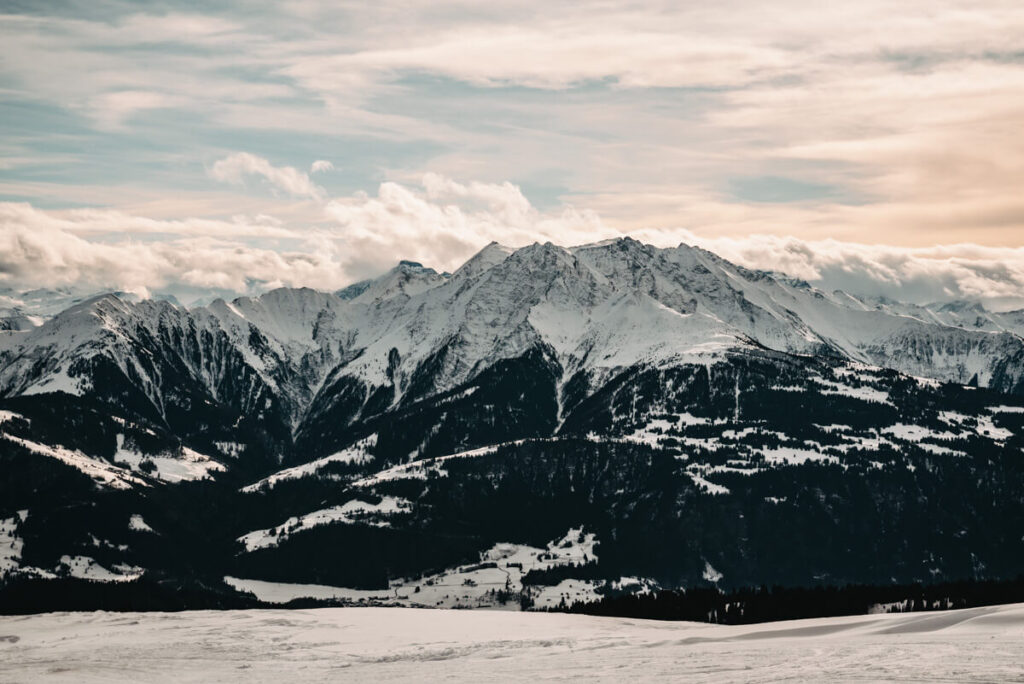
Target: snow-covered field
{"points": [[402, 644], [477, 585]]}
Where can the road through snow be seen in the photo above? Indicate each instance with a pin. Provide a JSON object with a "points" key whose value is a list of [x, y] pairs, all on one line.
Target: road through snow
{"points": [[401, 644]]}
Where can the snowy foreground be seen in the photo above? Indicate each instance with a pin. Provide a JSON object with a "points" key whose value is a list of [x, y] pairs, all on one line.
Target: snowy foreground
{"points": [[384, 644]]}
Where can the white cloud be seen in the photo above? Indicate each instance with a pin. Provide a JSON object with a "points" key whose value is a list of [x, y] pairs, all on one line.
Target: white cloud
{"points": [[118, 226], [912, 111], [444, 222], [111, 110], [41, 249], [234, 168], [551, 57], [441, 222], [321, 165]]}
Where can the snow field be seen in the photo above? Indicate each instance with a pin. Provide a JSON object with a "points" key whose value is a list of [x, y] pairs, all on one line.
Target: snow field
{"points": [[188, 464], [400, 644], [475, 585]]}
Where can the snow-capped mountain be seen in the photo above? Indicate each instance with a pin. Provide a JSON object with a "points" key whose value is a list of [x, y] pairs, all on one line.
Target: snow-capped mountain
{"points": [[596, 309], [958, 314], [25, 309], [530, 399]]}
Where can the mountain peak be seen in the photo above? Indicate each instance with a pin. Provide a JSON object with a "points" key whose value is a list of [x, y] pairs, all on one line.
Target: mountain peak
{"points": [[491, 255], [960, 306], [539, 248], [407, 279], [106, 301]]}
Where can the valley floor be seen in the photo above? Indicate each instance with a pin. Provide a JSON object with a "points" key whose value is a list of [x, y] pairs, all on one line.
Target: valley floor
{"points": [[402, 644]]}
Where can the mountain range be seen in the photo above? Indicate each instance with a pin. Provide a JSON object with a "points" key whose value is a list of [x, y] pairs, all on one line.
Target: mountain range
{"points": [[543, 426]]}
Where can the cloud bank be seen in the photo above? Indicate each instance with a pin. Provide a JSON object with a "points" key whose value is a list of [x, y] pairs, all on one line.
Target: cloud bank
{"points": [[440, 222], [896, 123]]}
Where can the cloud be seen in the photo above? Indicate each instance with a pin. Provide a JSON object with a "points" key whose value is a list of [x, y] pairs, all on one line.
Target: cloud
{"points": [[444, 222], [115, 226], [234, 168], [113, 109], [647, 112], [550, 57], [440, 222], [321, 165], [41, 249]]}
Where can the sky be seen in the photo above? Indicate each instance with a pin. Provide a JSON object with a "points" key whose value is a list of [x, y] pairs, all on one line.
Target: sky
{"points": [[233, 147]]}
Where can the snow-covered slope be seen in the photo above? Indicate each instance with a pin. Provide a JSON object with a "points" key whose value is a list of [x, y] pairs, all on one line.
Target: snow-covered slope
{"points": [[959, 314], [402, 644]]}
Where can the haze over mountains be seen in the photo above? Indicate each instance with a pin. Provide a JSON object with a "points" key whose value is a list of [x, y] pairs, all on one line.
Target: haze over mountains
{"points": [[545, 422]]}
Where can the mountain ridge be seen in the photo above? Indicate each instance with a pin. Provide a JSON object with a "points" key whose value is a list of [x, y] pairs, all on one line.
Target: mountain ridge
{"points": [[303, 332], [428, 430]]}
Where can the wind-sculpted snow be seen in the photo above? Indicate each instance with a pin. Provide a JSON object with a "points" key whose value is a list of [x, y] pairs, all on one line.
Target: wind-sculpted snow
{"points": [[401, 644]]}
